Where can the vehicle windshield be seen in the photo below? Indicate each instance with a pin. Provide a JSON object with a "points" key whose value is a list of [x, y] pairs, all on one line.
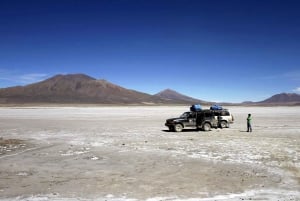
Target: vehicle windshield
{"points": [[185, 115]]}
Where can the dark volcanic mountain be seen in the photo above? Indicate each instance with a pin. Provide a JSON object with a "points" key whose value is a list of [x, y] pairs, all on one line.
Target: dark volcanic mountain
{"points": [[76, 88], [283, 98], [80, 88], [176, 97]]}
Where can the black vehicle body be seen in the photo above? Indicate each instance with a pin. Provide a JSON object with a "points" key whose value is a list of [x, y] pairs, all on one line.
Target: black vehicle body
{"points": [[203, 119]]}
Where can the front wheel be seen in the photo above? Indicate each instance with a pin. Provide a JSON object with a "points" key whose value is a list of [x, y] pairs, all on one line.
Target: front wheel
{"points": [[206, 127], [178, 127]]}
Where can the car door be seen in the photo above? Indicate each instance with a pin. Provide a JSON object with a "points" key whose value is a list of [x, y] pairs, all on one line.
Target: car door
{"points": [[191, 120]]}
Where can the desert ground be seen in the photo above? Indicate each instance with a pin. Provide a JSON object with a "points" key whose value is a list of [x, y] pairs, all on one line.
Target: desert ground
{"points": [[126, 153]]}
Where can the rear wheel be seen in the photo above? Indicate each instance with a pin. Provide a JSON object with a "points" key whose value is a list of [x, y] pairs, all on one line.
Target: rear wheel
{"points": [[206, 127], [223, 124], [178, 127]]}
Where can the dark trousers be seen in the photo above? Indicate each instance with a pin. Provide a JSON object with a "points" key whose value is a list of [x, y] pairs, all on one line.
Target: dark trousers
{"points": [[249, 127]]}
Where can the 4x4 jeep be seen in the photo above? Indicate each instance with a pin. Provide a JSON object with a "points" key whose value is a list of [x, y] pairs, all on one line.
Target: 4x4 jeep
{"points": [[203, 119]]}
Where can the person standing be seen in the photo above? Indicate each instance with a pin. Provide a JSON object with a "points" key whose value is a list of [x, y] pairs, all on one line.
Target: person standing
{"points": [[249, 126]]}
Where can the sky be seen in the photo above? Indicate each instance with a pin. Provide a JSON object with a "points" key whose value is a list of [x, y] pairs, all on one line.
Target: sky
{"points": [[214, 50]]}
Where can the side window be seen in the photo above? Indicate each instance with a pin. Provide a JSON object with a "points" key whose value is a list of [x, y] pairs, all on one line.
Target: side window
{"points": [[217, 113], [225, 113], [192, 115], [208, 115]]}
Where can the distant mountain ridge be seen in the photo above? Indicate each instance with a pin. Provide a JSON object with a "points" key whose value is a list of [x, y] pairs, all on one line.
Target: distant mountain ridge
{"points": [[174, 96], [283, 98], [75, 88], [80, 88]]}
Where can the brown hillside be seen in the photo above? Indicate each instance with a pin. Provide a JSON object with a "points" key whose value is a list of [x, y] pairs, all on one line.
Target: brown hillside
{"points": [[174, 96], [75, 88]]}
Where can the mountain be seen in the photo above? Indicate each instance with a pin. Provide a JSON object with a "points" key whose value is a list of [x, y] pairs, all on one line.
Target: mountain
{"points": [[175, 97], [282, 99], [80, 88], [75, 88]]}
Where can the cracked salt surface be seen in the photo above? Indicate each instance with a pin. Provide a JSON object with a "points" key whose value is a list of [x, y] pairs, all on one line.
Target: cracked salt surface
{"points": [[274, 145], [259, 195], [71, 152]]}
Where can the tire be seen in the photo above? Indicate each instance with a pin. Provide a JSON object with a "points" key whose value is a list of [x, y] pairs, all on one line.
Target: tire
{"points": [[178, 128], [223, 124], [206, 127]]}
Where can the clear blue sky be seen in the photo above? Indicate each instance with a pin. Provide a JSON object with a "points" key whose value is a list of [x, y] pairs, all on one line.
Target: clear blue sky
{"points": [[226, 50]]}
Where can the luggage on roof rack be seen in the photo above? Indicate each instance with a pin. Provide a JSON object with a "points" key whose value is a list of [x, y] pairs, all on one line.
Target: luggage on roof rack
{"points": [[216, 107], [195, 108]]}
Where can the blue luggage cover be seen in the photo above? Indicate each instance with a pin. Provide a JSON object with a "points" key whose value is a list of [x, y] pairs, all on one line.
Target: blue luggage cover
{"points": [[216, 107], [196, 107]]}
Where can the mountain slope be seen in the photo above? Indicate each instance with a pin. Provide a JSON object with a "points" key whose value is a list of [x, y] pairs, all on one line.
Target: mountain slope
{"points": [[174, 96], [75, 88], [283, 98], [80, 88]]}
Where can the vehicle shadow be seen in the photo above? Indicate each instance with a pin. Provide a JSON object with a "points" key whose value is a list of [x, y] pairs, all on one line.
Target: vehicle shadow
{"points": [[183, 131]]}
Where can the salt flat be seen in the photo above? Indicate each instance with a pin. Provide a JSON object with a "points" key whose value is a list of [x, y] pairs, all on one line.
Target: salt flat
{"points": [[126, 153]]}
